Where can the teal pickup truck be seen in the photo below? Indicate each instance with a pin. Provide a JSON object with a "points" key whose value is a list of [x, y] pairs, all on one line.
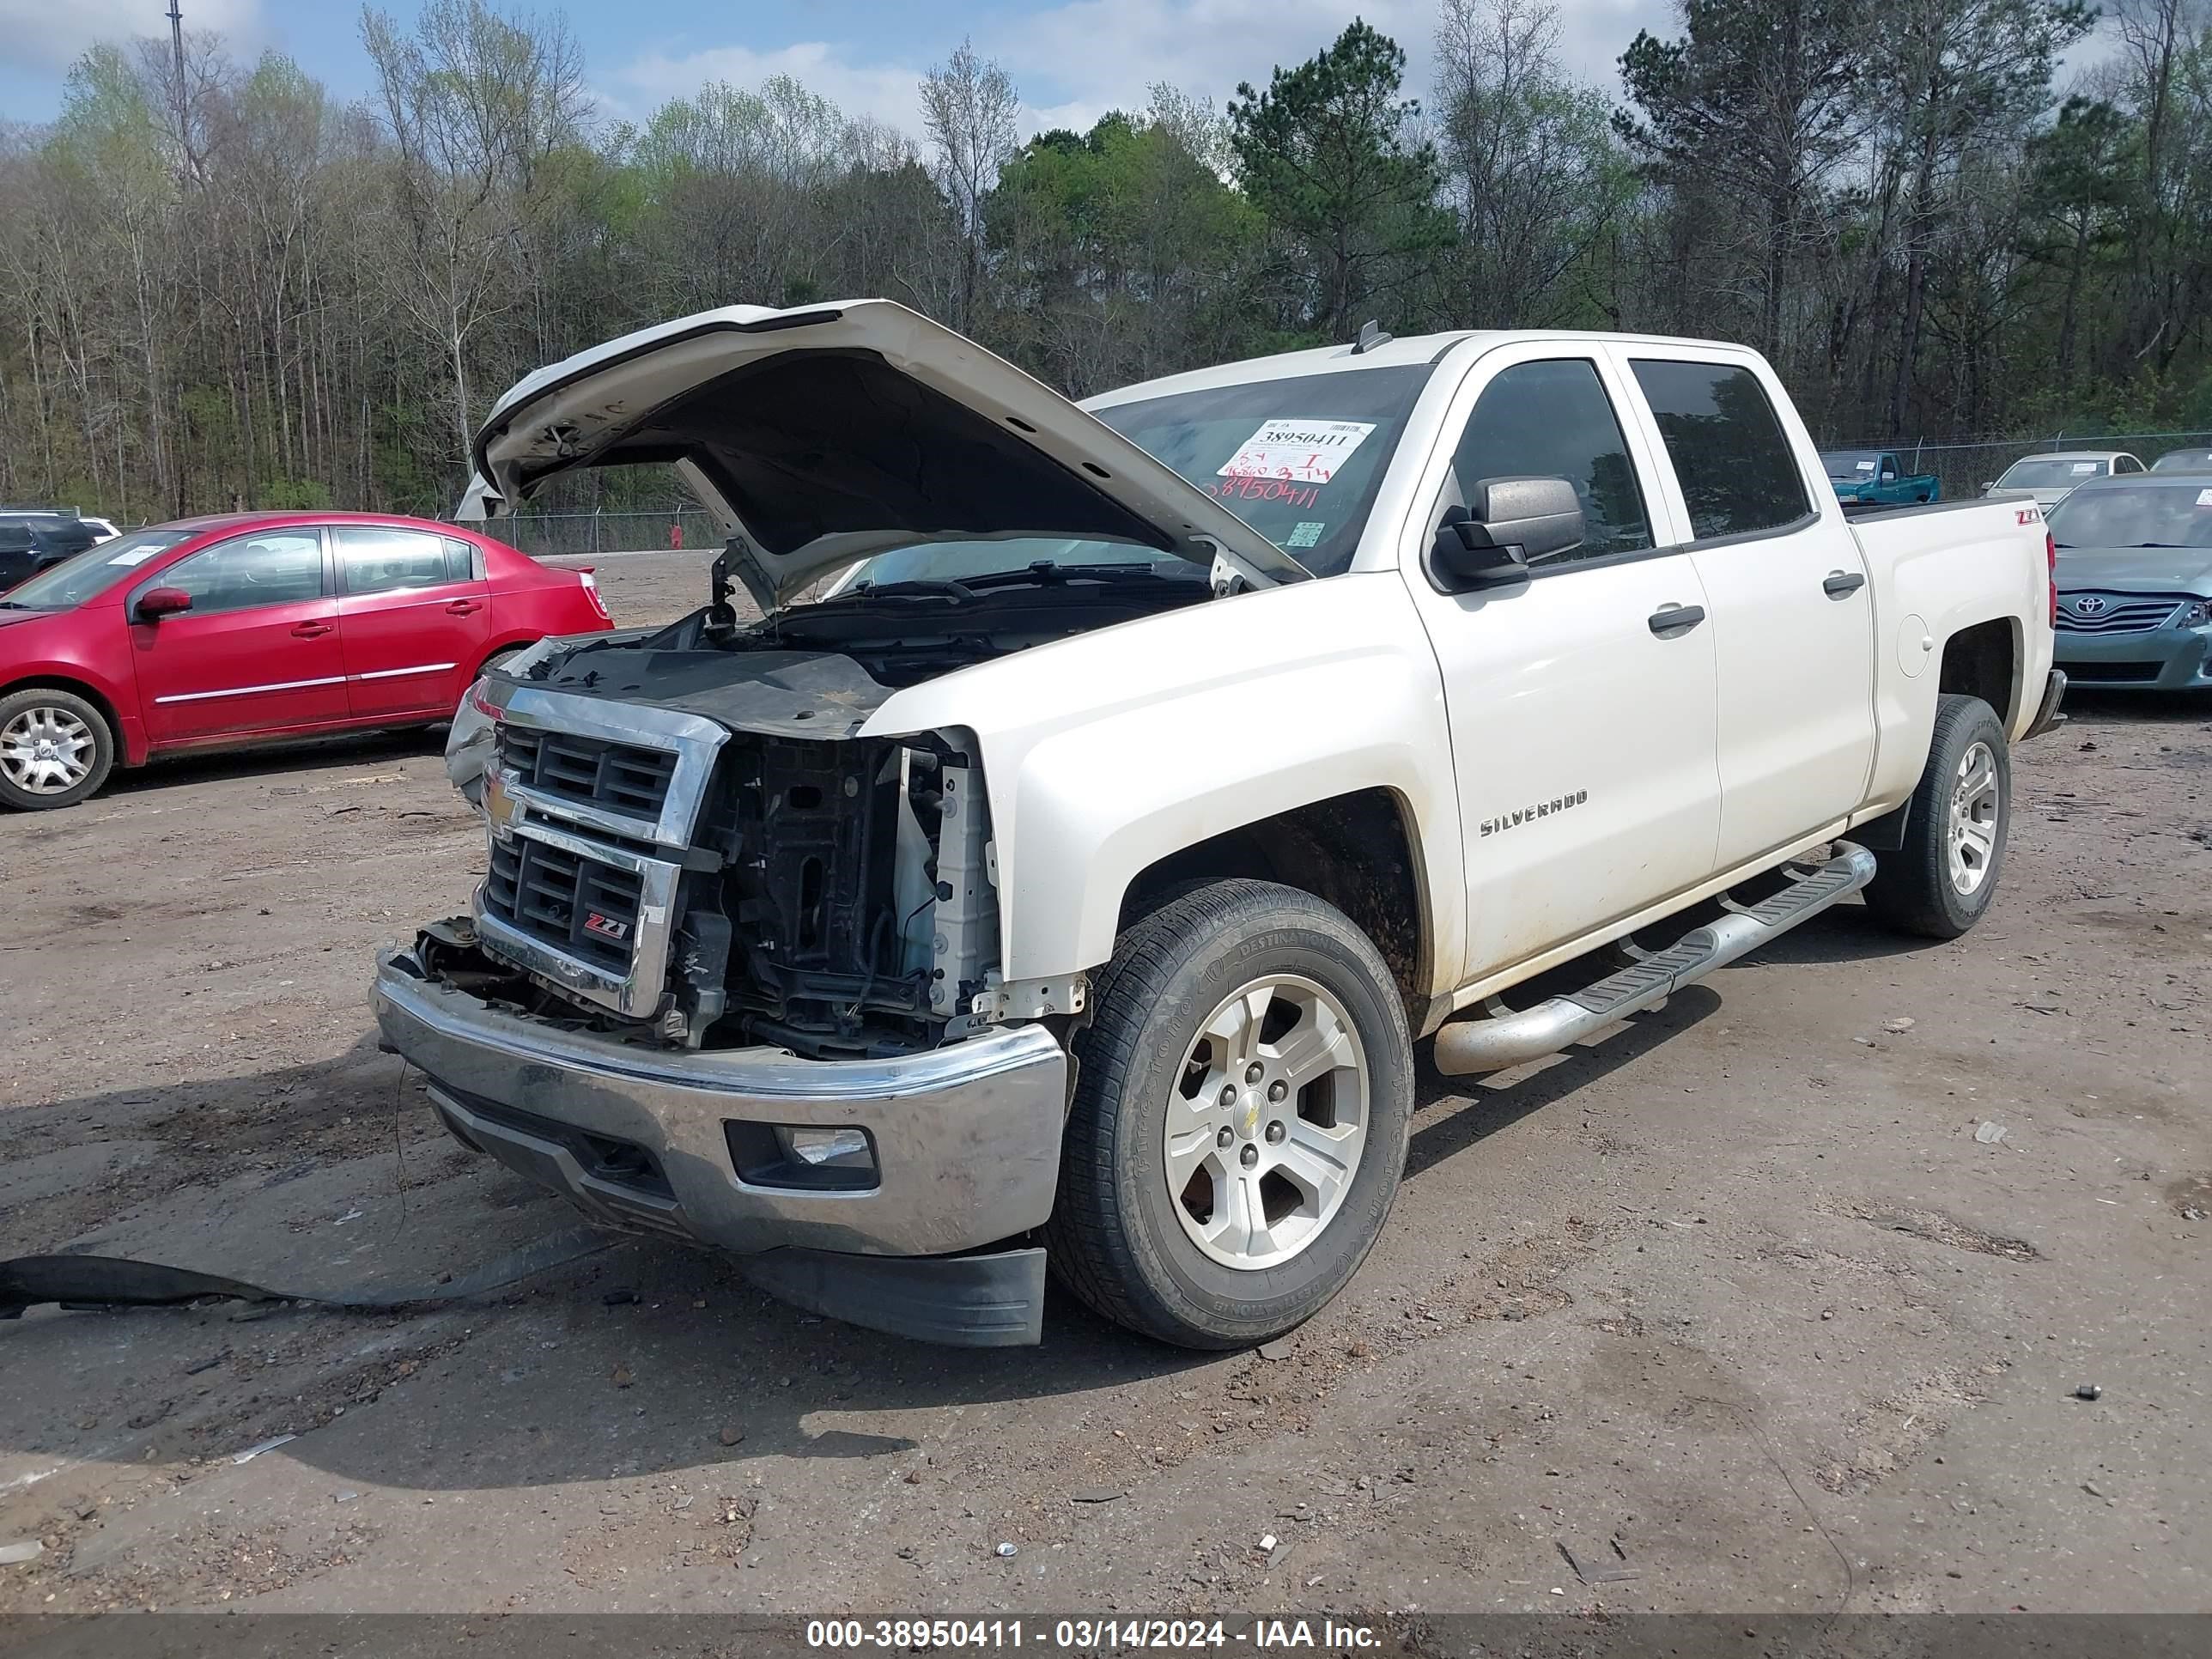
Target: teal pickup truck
{"points": [[1875, 474]]}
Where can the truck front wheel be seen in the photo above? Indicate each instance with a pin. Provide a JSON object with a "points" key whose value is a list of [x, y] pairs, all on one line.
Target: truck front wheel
{"points": [[1938, 883], [1244, 1095]]}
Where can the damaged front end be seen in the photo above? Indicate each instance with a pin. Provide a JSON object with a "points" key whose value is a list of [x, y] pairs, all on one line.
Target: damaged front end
{"points": [[733, 973], [726, 980], [760, 875]]}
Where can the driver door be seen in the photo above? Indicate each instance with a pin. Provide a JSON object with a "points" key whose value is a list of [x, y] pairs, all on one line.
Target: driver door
{"points": [[258, 653], [1583, 700]]}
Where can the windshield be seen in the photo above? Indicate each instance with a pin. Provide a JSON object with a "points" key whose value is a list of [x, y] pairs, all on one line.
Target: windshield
{"points": [[2184, 460], [1299, 459], [2135, 515], [65, 586], [2052, 472], [1850, 466]]}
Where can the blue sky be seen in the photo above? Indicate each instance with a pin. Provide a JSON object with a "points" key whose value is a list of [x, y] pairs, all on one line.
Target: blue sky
{"points": [[1071, 59]]}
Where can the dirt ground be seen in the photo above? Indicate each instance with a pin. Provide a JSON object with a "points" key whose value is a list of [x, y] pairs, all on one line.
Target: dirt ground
{"points": [[1732, 1302]]}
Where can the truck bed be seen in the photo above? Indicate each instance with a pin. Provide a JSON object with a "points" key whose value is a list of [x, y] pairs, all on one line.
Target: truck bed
{"points": [[1927, 564]]}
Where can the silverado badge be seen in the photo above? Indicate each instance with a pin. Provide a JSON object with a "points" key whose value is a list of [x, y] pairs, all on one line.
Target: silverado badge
{"points": [[1542, 809]]}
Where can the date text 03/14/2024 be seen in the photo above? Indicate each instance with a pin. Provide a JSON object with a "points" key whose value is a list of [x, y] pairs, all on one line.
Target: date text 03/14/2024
{"points": [[1089, 1634]]}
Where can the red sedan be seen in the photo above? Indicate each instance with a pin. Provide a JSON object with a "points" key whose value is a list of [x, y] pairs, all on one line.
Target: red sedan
{"points": [[256, 627]]}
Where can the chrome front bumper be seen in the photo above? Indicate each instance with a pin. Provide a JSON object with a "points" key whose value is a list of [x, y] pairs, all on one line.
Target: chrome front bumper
{"points": [[966, 1138]]}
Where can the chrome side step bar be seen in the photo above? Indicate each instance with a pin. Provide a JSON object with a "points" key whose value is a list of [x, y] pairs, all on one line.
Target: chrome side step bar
{"points": [[1492, 1044]]}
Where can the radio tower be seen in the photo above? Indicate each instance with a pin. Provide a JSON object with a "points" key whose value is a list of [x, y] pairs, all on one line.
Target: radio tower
{"points": [[177, 56]]}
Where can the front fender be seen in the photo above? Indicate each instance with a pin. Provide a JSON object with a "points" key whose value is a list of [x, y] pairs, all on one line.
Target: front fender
{"points": [[56, 658], [1105, 753]]}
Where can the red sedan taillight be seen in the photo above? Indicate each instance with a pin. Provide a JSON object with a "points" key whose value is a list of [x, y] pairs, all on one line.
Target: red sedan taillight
{"points": [[592, 593]]}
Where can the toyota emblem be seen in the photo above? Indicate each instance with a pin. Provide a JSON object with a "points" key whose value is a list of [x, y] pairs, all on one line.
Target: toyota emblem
{"points": [[2090, 605]]}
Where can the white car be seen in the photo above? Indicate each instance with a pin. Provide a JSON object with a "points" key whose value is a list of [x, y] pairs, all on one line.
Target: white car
{"points": [[1077, 876], [2049, 476]]}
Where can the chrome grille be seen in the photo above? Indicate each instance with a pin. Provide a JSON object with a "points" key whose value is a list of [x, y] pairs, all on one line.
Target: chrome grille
{"points": [[616, 777], [2115, 613], [588, 800], [578, 905]]}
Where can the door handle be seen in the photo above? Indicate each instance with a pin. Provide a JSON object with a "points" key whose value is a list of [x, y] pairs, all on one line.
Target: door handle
{"points": [[1668, 620], [462, 607], [1842, 584], [309, 630]]}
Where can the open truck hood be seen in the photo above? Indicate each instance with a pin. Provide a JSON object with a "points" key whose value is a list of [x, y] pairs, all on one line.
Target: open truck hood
{"points": [[820, 436]]}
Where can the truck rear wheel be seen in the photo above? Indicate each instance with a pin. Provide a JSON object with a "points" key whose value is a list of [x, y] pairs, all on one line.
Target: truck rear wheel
{"points": [[1941, 881], [1244, 1095]]}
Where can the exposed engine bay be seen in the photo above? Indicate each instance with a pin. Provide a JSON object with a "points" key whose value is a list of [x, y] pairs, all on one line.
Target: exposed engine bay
{"points": [[836, 895]]}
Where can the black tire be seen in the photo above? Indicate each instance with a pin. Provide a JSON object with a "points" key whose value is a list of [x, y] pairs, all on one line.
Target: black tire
{"points": [[1115, 1238], [1914, 890], [70, 713]]}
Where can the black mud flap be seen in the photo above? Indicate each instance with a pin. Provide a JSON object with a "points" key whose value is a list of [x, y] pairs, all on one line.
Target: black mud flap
{"points": [[994, 1301], [2048, 715], [111, 1281]]}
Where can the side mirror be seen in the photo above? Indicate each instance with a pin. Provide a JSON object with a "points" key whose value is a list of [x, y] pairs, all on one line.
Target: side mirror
{"points": [[1988, 485], [157, 603], [1509, 523]]}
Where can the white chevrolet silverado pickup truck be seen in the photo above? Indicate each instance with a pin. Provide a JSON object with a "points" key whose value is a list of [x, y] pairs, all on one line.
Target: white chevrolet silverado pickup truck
{"points": [[1075, 877]]}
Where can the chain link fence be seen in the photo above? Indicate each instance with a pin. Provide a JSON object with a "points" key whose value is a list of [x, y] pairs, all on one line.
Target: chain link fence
{"points": [[579, 535], [1965, 469]]}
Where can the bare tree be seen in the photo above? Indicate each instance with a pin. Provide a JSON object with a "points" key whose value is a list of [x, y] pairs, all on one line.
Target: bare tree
{"points": [[969, 107], [472, 100], [1531, 170]]}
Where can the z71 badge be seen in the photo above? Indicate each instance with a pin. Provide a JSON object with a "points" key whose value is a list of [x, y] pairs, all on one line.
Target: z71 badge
{"points": [[606, 926], [1520, 815]]}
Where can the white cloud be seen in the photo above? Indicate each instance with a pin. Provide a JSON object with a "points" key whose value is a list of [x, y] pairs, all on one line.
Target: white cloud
{"points": [[1095, 55], [44, 35], [889, 92], [1074, 61], [1106, 53]]}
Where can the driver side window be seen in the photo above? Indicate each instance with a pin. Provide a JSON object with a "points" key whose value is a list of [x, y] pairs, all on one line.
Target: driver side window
{"points": [[1552, 419], [274, 566]]}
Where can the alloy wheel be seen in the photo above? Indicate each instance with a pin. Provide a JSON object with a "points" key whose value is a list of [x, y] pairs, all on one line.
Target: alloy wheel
{"points": [[1266, 1124], [1976, 798], [46, 751]]}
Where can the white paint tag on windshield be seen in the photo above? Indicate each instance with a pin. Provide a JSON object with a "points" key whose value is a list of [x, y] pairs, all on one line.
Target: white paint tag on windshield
{"points": [[1866, 466], [135, 556], [2085, 466], [1306, 452], [2204, 498]]}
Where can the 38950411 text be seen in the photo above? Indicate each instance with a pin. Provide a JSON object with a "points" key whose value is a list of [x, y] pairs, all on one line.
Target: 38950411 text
{"points": [[1097, 1635]]}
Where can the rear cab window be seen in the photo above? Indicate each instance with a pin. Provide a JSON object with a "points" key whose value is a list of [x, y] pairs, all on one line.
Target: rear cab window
{"points": [[1737, 470]]}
